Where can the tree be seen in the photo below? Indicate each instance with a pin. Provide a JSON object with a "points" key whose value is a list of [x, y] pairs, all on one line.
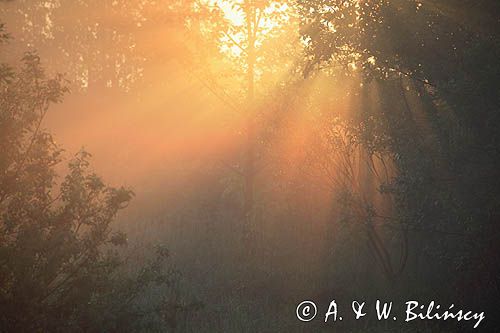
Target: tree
{"points": [[98, 44], [60, 264], [432, 65], [245, 34]]}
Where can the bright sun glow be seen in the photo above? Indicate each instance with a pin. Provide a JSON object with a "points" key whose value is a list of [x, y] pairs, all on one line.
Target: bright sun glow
{"points": [[232, 12], [267, 18]]}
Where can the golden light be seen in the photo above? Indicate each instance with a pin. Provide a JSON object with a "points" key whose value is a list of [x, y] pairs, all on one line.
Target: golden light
{"points": [[232, 11], [268, 16]]}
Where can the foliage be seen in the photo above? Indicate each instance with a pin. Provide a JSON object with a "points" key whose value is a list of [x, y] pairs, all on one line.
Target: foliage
{"points": [[369, 139], [445, 146], [60, 262]]}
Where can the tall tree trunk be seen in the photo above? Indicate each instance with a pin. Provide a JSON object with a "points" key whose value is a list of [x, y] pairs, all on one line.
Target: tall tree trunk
{"points": [[249, 166]]}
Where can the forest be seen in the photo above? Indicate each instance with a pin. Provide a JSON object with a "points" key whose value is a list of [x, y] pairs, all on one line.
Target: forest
{"points": [[214, 165]]}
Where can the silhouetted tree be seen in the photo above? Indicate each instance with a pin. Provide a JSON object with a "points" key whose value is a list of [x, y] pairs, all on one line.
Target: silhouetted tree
{"points": [[60, 265]]}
